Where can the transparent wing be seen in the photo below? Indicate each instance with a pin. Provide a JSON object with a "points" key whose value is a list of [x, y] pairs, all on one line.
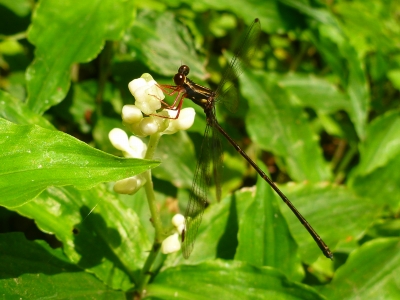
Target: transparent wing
{"points": [[226, 90], [217, 158], [198, 195], [210, 159]]}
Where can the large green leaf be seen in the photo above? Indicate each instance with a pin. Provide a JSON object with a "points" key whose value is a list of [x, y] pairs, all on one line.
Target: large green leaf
{"points": [[335, 212], [264, 237], [371, 272], [282, 128], [98, 232], [32, 270], [227, 280], [34, 158], [68, 32]]}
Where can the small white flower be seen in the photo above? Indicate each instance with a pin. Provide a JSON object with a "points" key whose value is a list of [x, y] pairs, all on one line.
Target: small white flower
{"points": [[119, 139], [171, 244], [138, 147], [184, 121], [131, 114]]}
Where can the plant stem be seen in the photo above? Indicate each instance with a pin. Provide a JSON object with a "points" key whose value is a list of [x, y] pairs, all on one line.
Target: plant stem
{"points": [[155, 217]]}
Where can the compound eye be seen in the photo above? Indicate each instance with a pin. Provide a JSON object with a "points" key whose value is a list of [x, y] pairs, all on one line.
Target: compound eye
{"points": [[179, 79], [184, 69]]}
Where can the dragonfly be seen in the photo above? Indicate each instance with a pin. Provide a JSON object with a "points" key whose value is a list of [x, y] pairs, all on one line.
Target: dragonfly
{"points": [[210, 158]]}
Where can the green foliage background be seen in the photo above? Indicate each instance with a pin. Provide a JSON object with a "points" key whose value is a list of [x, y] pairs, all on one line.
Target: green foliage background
{"points": [[319, 108]]}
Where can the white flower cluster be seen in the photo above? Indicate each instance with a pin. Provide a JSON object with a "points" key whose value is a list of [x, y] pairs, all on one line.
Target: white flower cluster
{"points": [[172, 243], [143, 119], [148, 98]]}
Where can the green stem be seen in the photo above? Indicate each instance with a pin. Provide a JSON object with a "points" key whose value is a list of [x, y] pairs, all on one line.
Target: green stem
{"points": [[155, 216], [340, 174]]}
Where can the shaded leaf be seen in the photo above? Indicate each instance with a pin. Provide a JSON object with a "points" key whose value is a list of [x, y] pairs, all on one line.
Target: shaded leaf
{"points": [[98, 232], [33, 270], [163, 44]]}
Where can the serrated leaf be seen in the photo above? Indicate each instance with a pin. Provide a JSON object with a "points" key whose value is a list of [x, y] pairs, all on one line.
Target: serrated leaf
{"points": [[33, 270], [98, 232], [34, 158], [68, 32], [371, 272], [281, 128], [227, 280]]}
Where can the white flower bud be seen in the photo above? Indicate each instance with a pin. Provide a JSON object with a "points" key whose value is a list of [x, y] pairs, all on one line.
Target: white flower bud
{"points": [[148, 126], [138, 147], [119, 139], [131, 114], [179, 222], [129, 185], [126, 186], [171, 244]]}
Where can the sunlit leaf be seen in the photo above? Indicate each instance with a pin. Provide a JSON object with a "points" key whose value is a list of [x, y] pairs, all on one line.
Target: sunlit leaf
{"points": [[371, 272], [282, 128], [68, 32], [227, 280], [35, 158]]}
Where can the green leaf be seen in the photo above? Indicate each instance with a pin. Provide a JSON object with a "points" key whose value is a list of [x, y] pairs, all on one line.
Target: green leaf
{"points": [[371, 272], [34, 158], [15, 111], [382, 184], [32, 270], [314, 92], [217, 235], [20, 8], [169, 41], [282, 128], [349, 67], [68, 32], [176, 153], [227, 280], [99, 233], [381, 143], [325, 206], [264, 237]]}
